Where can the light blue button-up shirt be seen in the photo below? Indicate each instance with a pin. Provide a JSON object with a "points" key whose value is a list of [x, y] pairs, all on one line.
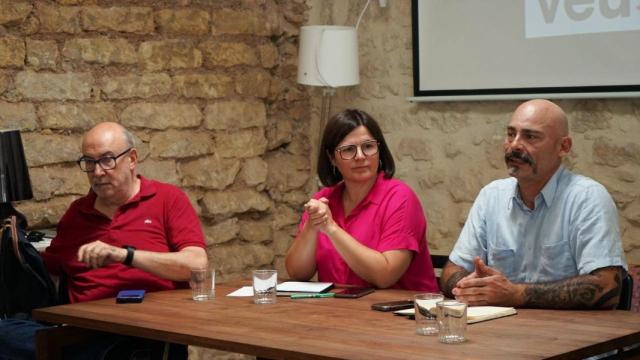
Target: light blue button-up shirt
{"points": [[572, 230]]}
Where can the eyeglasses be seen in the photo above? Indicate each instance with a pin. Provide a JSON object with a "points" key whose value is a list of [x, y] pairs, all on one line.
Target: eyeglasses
{"points": [[348, 152], [88, 164]]}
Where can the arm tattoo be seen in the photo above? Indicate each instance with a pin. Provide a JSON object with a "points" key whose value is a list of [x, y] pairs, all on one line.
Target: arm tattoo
{"points": [[451, 282], [580, 292]]}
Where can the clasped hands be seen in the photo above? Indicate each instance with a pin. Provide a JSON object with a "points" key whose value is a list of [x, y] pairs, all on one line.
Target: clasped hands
{"points": [[320, 217], [486, 286], [97, 254]]}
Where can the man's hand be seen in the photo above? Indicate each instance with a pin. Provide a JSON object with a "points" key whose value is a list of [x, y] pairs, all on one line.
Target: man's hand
{"points": [[487, 286], [97, 254]]}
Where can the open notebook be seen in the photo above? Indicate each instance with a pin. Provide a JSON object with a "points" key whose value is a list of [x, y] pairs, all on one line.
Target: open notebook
{"points": [[475, 313], [302, 287]]}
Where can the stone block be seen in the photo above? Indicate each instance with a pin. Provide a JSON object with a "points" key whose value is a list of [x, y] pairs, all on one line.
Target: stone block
{"points": [[232, 259], [130, 19], [46, 86], [253, 172], [254, 83], [279, 132], [206, 86], [209, 172], [42, 54], [186, 22], [613, 153], [180, 144], [58, 19], [222, 231], [136, 86], [233, 114], [12, 52], [242, 143], [284, 215], [297, 173], [416, 148], [227, 54], [161, 170], [283, 239], [255, 230], [48, 182], [162, 55], [161, 116], [75, 116], [47, 213], [5, 81], [234, 201], [269, 56], [14, 11], [229, 21], [101, 50], [18, 116], [51, 149], [632, 213]]}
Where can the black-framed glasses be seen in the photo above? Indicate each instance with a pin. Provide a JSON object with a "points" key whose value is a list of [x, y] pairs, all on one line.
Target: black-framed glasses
{"points": [[368, 148], [88, 164]]}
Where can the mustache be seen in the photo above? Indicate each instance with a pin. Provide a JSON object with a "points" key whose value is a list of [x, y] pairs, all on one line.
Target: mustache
{"points": [[519, 155]]}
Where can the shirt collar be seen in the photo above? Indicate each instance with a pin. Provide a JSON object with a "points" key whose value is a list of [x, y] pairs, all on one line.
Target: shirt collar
{"points": [[546, 195]]}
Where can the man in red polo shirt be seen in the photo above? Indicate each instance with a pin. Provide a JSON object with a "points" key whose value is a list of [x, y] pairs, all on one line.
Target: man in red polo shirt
{"points": [[128, 232]]}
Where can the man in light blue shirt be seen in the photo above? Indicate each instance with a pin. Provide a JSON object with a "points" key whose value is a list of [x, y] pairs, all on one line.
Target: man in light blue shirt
{"points": [[545, 237]]}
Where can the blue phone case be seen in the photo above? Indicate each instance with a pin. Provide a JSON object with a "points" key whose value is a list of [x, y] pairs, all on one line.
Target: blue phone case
{"points": [[130, 296]]}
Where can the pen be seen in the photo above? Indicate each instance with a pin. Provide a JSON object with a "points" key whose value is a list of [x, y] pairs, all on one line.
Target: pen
{"points": [[310, 296]]}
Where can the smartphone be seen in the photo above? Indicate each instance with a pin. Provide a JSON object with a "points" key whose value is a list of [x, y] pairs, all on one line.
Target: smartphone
{"points": [[393, 305], [354, 292], [130, 296]]}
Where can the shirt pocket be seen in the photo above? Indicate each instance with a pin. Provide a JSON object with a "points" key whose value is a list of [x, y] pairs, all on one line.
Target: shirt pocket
{"points": [[557, 262], [502, 260]]}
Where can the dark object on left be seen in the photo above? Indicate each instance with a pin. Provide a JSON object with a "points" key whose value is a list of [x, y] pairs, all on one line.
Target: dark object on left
{"points": [[25, 283]]}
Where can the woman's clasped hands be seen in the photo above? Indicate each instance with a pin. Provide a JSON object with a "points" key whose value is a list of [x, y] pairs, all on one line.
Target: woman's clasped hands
{"points": [[320, 216]]}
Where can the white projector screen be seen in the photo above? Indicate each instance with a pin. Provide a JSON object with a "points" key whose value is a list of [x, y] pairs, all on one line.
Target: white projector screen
{"points": [[519, 49]]}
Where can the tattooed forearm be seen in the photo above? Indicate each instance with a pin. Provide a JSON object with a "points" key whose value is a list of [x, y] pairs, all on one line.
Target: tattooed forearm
{"points": [[448, 284], [599, 290]]}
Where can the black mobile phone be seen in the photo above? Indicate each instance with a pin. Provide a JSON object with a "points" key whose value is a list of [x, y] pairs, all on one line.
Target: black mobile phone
{"points": [[393, 305], [130, 296], [354, 292]]}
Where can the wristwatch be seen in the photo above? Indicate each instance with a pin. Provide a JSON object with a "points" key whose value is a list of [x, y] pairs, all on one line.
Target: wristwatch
{"points": [[129, 258]]}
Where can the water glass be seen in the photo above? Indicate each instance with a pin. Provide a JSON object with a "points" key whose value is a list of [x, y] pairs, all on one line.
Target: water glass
{"points": [[425, 313], [264, 286], [452, 321], [203, 284]]}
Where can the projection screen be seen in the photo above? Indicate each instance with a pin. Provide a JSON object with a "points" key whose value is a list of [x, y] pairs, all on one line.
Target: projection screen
{"points": [[519, 49]]}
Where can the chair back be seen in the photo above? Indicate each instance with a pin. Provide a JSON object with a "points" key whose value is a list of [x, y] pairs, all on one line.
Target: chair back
{"points": [[438, 262], [626, 294]]}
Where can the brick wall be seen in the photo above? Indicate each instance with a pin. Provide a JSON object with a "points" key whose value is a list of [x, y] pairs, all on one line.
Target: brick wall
{"points": [[207, 87]]}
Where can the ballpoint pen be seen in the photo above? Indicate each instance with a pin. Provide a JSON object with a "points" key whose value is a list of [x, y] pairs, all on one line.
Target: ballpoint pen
{"points": [[310, 296]]}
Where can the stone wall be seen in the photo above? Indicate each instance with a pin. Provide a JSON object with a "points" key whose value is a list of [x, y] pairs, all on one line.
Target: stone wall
{"points": [[447, 151], [207, 87]]}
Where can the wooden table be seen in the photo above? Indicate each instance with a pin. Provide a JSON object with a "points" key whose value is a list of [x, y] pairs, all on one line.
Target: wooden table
{"points": [[332, 328]]}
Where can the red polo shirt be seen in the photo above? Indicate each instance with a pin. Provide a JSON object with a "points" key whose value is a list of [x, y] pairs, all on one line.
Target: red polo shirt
{"points": [[159, 218]]}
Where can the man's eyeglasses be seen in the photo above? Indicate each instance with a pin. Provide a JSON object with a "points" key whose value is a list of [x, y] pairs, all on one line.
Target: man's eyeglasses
{"points": [[348, 152], [88, 164]]}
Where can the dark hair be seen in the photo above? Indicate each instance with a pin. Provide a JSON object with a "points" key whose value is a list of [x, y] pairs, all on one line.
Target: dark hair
{"points": [[338, 127]]}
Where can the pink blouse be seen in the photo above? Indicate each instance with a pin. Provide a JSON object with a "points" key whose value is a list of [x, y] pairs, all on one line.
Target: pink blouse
{"points": [[390, 217]]}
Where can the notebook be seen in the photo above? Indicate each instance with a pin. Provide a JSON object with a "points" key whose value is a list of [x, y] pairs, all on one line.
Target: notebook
{"points": [[475, 313], [302, 287]]}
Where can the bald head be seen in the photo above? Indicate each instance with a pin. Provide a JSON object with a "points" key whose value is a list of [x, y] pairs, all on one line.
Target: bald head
{"points": [[545, 112], [109, 134]]}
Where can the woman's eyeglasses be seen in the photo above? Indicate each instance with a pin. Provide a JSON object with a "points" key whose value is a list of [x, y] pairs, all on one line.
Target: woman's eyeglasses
{"points": [[348, 152]]}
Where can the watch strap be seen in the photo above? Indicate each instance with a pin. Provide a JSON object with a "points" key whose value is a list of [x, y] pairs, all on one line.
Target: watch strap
{"points": [[129, 258]]}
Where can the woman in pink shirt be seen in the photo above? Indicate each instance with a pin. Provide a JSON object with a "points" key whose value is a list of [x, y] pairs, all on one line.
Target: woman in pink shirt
{"points": [[364, 228]]}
